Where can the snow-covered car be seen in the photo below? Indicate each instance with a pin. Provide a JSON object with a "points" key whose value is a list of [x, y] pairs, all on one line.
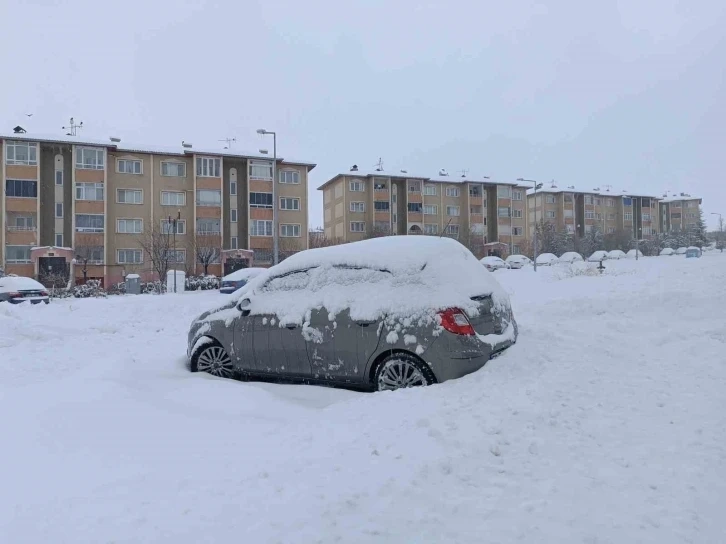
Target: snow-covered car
{"points": [[667, 252], [516, 262], [384, 313], [681, 250], [692, 252], [231, 282], [493, 263], [631, 254], [17, 289], [598, 256], [570, 257], [546, 259], [616, 254]]}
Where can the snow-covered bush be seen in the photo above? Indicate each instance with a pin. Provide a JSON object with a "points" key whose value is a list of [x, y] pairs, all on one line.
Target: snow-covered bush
{"points": [[155, 287], [202, 283], [92, 288]]}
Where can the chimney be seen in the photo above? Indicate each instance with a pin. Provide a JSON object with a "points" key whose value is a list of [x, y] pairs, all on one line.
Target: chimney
{"points": [[354, 168]]}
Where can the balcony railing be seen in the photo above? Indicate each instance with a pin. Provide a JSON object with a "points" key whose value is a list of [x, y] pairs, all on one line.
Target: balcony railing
{"points": [[17, 228]]}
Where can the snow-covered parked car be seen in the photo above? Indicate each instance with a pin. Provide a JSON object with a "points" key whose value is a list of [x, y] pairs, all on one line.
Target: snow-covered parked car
{"points": [[692, 252], [17, 289], [516, 262], [493, 263], [631, 254], [598, 256], [384, 313], [570, 257], [667, 252], [546, 259], [231, 282], [681, 250], [616, 254]]}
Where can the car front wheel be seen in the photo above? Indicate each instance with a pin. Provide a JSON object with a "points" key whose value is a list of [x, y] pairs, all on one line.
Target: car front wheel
{"points": [[401, 370], [213, 359]]}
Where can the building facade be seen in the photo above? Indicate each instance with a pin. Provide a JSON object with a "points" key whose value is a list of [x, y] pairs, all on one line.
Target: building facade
{"points": [[679, 212], [66, 198], [487, 216]]}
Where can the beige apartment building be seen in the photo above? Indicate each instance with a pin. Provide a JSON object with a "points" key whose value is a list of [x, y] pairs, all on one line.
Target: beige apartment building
{"points": [[63, 196], [488, 216]]}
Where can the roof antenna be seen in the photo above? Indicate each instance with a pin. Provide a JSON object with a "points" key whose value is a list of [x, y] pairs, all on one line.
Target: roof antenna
{"points": [[464, 172], [379, 165], [553, 184], [73, 128], [608, 187], [229, 141]]}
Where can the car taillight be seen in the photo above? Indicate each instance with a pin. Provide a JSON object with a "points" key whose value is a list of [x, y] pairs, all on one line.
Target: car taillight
{"points": [[14, 295], [44, 293], [455, 321]]}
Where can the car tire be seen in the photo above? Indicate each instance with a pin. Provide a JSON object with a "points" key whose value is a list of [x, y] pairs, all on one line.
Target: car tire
{"points": [[213, 359], [400, 371]]}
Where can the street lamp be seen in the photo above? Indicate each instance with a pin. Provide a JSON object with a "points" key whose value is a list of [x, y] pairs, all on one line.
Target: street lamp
{"points": [[537, 185], [720, 230], [275, 205], [172, 223]]}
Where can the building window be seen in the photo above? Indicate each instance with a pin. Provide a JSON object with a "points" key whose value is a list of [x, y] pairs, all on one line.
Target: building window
{"points": [[453, 211], [517, 195], [475, 190], [129, 196], [232, 188], [58, 177], [208, 167], [233, 215], [89, 191], [516, 249], [208, 226], [452, 191], [431, 229], [357, 207], [430, 210], [59, 210], [174, 255], [452, 230], [675, 204], [429, 190], [645, 202], [17, 254], [627, 201], [173, 169], [209, 197], [290, 177], [550, 215], [126, 166], [89, 158], [517, 213], [611, 216], [356, 186], [128, 256], [504, 192], [611, 230], [589, 215], [261, 200], [59, 240], [588, 199], [646, 217], [89, 222], [22, 188], [675, 216], [597, 202], [357, 226], [173, 198], [598, 216], [414, 186], [260, 170], [475, 210], [647, 231], [233, 242], [550, 199], [290, 231], [21, 153], [503, 211], [568, 198], [167, 227], [415, 207], [129, 226], [290, 204], [22, 222], [380, 187], [518, 231], [260, 228], [628, 216], [381, 206], [610, 203]]}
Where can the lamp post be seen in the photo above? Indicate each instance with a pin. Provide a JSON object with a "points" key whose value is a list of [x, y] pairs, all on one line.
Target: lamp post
{"points": [[720, 230], [536, 186], [275, 205], [172, 223]]}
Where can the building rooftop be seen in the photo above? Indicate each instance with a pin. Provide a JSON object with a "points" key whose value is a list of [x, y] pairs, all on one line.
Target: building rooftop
{"points": [[599, 191], [441, 177], [675, 197]]}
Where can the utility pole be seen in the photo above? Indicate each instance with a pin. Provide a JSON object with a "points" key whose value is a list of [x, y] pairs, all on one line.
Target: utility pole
{"points": [[720, 231], [173, 223], [275, 203], [536, 186]]}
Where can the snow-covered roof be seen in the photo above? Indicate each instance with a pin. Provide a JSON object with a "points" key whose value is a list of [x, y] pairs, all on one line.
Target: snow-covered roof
{"points": [[599, 191], [677, 197], [18, 283], [52, 138], [244, 274], [437, 178], [36, 248]]}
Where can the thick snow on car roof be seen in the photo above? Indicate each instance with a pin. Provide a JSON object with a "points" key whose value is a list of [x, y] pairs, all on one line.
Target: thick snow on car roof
{"points": [[397, 276], [243, 274], [9, 284]]}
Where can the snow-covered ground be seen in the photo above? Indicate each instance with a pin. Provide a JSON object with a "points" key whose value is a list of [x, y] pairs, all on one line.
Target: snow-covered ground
{"points": [[605, 423]]}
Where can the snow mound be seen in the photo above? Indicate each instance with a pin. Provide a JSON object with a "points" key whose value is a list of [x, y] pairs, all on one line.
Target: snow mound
{"points": [[9, 284], [244, 274]]}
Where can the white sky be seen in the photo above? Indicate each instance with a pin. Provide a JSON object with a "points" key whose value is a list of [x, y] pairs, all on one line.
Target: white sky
{"points": [[627, 93]]}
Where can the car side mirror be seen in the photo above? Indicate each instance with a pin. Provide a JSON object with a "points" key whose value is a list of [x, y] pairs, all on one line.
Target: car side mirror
{"points": [[244, 306]]}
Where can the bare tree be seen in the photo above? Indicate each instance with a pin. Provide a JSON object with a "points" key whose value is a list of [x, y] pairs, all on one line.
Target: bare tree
{"points": [[206, 249], [317, 238], [157, 244], [87, 251]]}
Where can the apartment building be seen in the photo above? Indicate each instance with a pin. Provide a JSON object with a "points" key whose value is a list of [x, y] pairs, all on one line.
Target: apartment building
{"points": [[488, 216], [65, 195], [679, 212]]}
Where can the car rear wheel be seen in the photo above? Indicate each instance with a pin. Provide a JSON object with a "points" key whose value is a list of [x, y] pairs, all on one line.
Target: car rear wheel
{"points": [[213, 359], [401, 370]]}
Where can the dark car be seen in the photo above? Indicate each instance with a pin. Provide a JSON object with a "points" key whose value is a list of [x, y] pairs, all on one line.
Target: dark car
{"points": [[17, 289], [236, 280]]}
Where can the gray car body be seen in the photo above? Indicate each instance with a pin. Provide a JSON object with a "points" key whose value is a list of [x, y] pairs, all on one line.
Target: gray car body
{"points": [[345, 351]]}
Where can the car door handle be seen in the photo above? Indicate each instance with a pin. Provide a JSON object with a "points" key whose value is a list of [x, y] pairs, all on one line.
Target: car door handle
{"points": [[291, 326], [365, 323]]}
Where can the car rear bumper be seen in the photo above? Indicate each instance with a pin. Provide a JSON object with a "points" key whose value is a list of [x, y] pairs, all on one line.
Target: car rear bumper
{"points": [[32, 300]]}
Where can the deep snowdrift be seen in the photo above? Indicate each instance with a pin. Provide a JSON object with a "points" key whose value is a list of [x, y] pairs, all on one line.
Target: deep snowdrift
{"points": [[605, 423]]}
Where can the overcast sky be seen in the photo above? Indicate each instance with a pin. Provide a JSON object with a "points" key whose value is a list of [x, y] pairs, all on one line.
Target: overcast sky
{"points": [[626, 93]]}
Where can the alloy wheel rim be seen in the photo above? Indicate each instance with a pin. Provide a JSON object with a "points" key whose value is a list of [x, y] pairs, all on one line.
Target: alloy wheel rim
{"points": [[398, 374], [214, 360]]}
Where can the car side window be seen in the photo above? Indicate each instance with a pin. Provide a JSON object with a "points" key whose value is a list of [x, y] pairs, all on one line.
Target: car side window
{"points": [[292, 281]]}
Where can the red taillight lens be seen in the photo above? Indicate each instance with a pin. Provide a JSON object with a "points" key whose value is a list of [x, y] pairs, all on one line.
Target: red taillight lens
{"points": [[455, 321], [14, 295], [44, 293]]}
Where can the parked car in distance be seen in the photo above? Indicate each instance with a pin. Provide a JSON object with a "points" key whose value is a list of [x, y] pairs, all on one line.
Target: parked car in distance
{"points": [[692, 252], [231, 282], [598, 256], [667, 252], [681, 250], [570, 257], [546, 259], [381, 314], [493, 263], [631, 254], [516, 262], [17, 289], [616, 254]]}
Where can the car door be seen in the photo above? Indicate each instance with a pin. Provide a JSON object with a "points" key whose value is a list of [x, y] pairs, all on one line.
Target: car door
{"points": [[241, 349]]}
